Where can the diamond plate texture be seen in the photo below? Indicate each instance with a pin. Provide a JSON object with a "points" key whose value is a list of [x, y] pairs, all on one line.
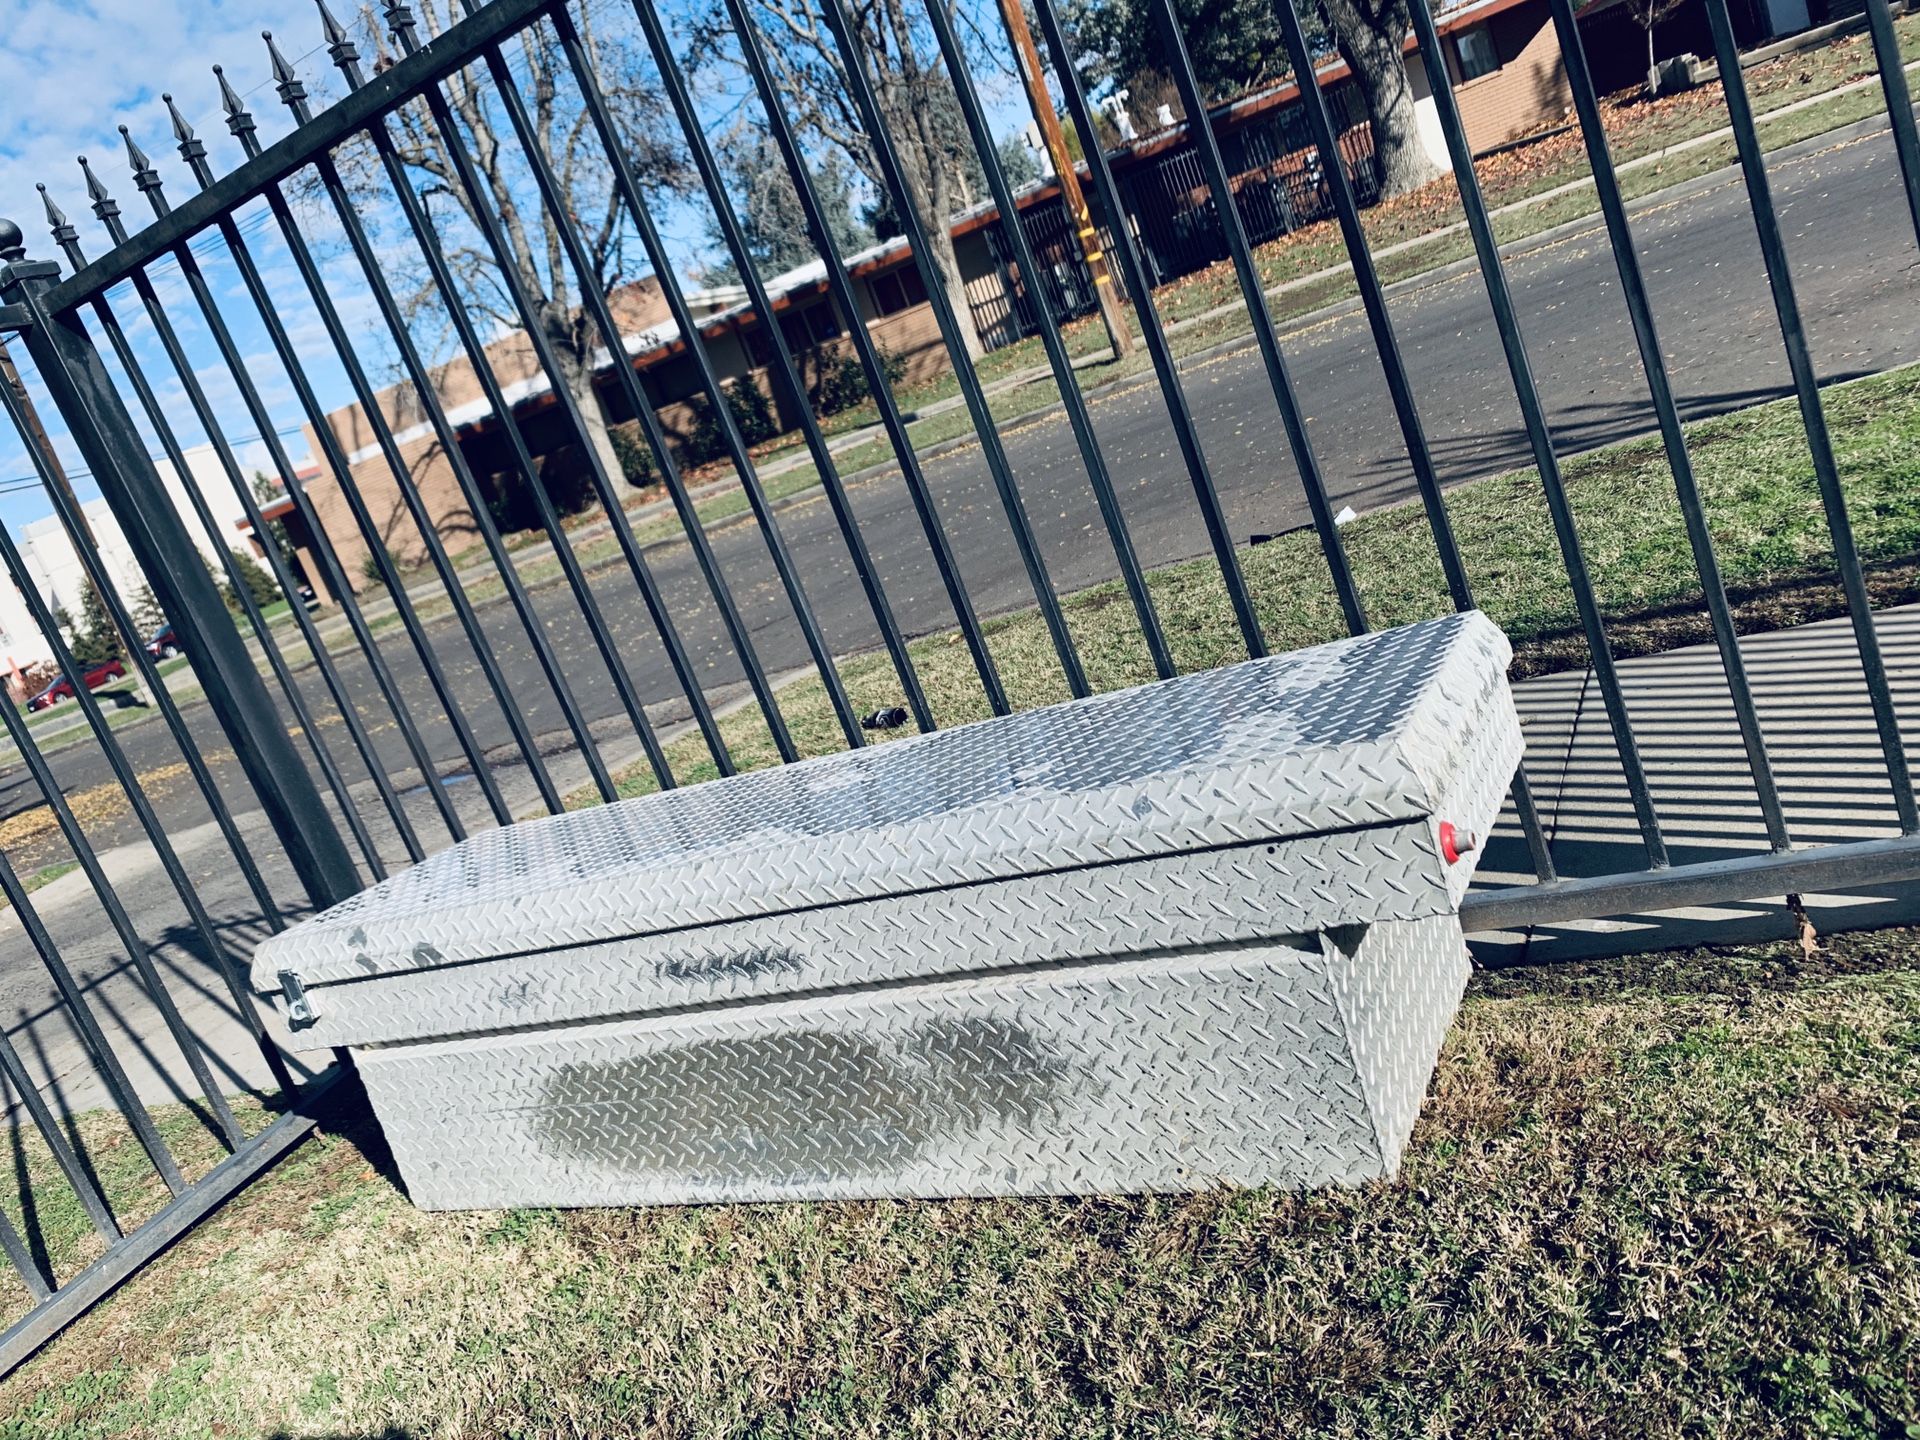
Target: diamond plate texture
{"points": [[1167, 1073], [1210, 897], [1396, 1000], [1361, 733]]}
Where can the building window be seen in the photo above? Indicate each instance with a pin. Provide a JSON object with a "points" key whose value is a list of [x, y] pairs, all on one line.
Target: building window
{"points": [[898, 289], [1476, 54], [814, 325]]}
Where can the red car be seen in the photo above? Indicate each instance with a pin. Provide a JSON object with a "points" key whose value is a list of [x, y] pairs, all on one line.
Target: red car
{"points": [[62, 689]]}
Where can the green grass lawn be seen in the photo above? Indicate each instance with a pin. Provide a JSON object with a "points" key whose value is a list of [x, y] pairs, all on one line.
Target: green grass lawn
{"points": [[1755, 478], [1676, 1195]]}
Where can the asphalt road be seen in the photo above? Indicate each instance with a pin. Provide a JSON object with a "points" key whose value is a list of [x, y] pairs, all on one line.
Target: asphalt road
{"points": [[1846, 226]]}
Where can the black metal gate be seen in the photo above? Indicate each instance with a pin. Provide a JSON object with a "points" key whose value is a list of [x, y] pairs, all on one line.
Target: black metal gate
{"points": [[1279, 184], [1005, 313], [355, 745]]}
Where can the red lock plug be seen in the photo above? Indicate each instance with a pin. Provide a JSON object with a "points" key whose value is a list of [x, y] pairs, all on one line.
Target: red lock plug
{"points": [[1455, 843]]}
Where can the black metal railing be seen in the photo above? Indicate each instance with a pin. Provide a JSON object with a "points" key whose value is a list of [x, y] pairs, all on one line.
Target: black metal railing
{"points": [[477, 675]]}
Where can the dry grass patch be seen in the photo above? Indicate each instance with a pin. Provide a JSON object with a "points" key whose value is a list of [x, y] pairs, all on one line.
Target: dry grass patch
{"points": [[1672, 1196]]}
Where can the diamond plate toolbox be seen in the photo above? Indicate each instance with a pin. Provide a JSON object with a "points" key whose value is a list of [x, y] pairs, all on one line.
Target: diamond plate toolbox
{"points": [[1198, 932]]}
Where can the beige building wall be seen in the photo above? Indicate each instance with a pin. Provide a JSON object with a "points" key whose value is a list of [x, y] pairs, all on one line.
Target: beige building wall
{"points": [[1529, 89], [637, 307], [373, 479]]}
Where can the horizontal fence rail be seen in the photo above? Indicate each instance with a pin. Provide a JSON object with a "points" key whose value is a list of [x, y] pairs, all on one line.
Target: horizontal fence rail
{"points": [[441, 486]]}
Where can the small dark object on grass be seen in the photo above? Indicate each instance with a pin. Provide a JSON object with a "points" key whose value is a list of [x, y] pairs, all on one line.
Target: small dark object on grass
{"points": [[891, 718], [1261, 537]]}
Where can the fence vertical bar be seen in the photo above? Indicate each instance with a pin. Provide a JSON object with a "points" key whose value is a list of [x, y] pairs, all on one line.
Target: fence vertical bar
{"points": [[1893, 84], [627, 185], [410, 495], [104, 433], [194, 153], [1386, 341], [39, 1284], [191, 1049], [1153, 335], [427, 238], [872, 364], [68, 239], [129, 781], [108, 211], [783, 364], [377, 550], [185, 371], [1253, 293], [1699, 537], [1065, 380], [84, 1190], [112, 1074], [1533, 417], [1393, 368], [1806, 387], [595, 302], [853, 64], [400, 22], [80, 537]]}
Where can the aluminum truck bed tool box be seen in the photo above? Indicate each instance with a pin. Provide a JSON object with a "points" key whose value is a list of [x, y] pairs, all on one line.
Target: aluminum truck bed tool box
{"points": [[1195, 932]]}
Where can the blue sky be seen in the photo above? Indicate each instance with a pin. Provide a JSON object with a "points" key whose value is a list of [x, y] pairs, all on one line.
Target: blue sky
{"points": [[72, 73]]}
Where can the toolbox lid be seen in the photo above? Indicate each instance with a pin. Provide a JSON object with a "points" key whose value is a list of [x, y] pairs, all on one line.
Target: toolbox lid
{"points": [[1357, 733]]}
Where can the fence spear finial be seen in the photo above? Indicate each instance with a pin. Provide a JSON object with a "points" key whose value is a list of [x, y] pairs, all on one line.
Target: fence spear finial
{"points": [[399, 18], [56, 217], [346, 57], [104, 205], [292, 93], [144, 175], [62, 229], [240, 123], [192, 150]]}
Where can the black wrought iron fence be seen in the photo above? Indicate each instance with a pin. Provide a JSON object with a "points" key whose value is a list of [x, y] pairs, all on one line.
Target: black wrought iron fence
{"points": [[1003, 309], [1279, 183], [473, 677]]}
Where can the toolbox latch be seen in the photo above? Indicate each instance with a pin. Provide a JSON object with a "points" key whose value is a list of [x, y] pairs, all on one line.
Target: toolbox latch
{"points": [[299, 1007]]}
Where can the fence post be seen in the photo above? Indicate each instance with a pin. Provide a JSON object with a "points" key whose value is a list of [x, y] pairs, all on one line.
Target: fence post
{"points": [[107, 439]]}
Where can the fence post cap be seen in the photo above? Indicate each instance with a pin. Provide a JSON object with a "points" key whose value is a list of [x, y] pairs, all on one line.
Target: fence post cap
{"points": [[13, 242]]}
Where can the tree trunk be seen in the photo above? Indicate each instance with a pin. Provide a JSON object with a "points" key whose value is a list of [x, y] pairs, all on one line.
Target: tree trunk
{"points": [[948, 265], [599, 432], [1370, 34], [909, 98], [573, 344]]}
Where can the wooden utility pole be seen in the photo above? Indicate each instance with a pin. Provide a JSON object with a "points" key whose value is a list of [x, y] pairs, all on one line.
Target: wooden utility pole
{"points": [[1035, 79], [57, 475]]}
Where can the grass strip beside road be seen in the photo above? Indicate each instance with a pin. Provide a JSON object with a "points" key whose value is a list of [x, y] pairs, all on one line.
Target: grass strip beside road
{"points": [[1755, 478], [1664, 1196]]}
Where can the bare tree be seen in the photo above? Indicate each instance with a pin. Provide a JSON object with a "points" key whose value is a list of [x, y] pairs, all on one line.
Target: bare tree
{"points": [[567, 139], [1370, 36], [1648, 14], [916, 101]]}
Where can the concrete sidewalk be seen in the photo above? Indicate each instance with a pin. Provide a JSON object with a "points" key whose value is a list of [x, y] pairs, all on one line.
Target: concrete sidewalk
{"points": [[1825, 751]]}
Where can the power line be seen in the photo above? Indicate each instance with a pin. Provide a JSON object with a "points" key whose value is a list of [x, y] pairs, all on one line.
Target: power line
{"points": [[32, 482]]}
